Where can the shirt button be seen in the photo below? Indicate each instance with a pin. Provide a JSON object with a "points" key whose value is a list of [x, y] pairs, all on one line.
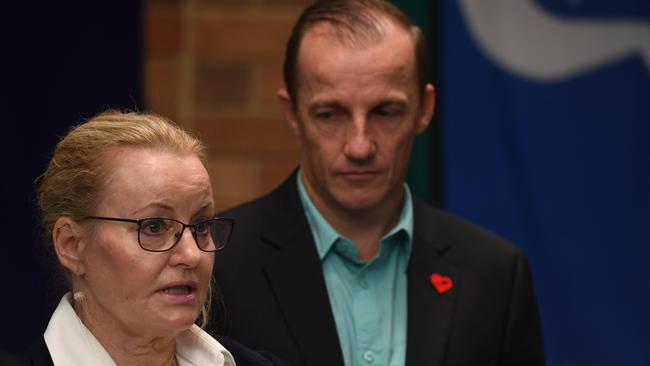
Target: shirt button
{"points": [[363, 283], [368, 356]]}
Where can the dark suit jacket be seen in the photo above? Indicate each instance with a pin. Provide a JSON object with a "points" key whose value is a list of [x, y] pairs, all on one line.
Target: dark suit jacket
{"points": [[38, 355], [274, 295]]}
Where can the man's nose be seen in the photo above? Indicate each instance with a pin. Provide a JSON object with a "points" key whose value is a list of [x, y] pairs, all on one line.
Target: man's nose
{"points": [[359, 144]]}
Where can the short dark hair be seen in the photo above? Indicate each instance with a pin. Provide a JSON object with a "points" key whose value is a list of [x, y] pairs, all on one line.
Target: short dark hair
{"points": [[355, 22]]}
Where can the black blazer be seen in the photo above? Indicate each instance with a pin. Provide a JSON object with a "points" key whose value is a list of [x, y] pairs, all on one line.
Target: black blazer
{"points": [[274, 295], [38, 355]]}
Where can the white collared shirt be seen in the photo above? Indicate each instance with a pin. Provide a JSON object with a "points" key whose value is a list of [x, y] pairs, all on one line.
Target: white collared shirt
{"points": [[70, 343]]}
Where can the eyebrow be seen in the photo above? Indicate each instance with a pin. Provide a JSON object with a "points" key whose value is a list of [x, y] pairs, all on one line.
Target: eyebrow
{"points": [[159, 205], [335, 104], [325, 104], [166, 207], [393, 101], [208, 206]]}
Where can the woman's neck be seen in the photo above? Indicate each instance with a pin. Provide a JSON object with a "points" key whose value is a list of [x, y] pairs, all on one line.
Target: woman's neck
{"points": [[124, 346]]}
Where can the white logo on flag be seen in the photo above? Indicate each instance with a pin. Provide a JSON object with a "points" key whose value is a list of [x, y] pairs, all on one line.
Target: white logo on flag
{"points": [[527, 40]]}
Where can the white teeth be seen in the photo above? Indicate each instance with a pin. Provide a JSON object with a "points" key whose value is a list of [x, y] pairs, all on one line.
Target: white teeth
{"points": [[183, 290]]}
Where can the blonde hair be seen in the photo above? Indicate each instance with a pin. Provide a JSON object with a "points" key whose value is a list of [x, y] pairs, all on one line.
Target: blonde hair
{"points": [[80, 163]]}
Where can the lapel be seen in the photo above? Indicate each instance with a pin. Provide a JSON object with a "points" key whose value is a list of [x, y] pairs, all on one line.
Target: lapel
{"points": [[296, 278], [39, 354], [429, 313]]}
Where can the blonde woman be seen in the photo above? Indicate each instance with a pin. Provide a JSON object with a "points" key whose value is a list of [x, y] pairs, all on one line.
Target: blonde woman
{"points": [[127, 208]]}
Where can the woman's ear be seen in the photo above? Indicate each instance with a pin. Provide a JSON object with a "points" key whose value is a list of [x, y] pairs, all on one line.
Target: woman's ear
{"points": [[66, 236]]}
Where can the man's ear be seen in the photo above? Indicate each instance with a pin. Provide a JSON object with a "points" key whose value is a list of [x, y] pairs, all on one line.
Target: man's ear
{"points": [[66, 237], [427, 107], [289, 112]]}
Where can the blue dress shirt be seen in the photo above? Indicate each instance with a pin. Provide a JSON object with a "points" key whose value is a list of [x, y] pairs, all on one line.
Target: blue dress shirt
{"points": [[368, 299]]}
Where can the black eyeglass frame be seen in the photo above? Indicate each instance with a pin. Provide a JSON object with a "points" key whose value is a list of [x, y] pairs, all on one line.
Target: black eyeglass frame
{"points": [[178, 235]]}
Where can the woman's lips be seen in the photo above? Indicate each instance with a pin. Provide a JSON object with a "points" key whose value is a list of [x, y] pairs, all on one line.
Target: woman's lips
{"points": [[179, 292]]}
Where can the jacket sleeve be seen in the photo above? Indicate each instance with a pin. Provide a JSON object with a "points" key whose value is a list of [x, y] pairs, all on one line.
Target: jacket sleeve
{"points": [[523, 343], [245, 356]]}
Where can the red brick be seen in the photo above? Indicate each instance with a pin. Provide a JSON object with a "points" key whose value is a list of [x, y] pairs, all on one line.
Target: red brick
{"points": [[234, 60], [221, 82], [163, 34], [267, 79], [253, 136], [162, 79], [233, 180], [294, 4], [241, 38], [226, 3], [166, 109], [274, 172]]}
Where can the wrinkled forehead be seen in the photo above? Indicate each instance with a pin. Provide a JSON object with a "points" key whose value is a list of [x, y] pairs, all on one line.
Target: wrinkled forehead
{"points": [[324, 54], [364, 32], [146, 170]]}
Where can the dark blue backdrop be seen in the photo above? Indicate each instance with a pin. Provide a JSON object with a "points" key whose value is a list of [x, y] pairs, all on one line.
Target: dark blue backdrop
{"points": [[62, 63], [558, 162]]}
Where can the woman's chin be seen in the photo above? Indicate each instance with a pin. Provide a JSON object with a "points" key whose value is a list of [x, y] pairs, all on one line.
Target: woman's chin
{"points": [[179, 321]]}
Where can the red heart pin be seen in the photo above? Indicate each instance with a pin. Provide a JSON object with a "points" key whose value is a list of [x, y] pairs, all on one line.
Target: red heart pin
{"points": [[441, 283]]}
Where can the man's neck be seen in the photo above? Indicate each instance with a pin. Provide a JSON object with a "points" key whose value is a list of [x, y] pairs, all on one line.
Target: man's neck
{"points": [[365, 227]]}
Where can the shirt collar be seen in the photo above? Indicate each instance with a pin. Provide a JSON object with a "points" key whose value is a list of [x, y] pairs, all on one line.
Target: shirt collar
{"points": [[326, 236], [71, 343]]}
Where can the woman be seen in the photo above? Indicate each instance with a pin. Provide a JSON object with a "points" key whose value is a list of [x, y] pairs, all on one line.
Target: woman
{"points": [[127, 207]]}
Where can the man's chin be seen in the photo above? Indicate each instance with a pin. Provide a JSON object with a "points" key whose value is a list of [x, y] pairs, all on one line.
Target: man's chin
{"points": [[360, 202]]}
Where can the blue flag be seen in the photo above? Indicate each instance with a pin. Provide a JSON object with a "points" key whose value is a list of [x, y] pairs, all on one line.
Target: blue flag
{"points": [[546, 140]]}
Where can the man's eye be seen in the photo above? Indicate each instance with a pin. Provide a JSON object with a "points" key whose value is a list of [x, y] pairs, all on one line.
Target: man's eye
{"points": [[324, 115], [389, 112]]}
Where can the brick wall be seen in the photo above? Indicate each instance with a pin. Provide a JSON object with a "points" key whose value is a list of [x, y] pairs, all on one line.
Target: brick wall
{"points": [[214, 67]]}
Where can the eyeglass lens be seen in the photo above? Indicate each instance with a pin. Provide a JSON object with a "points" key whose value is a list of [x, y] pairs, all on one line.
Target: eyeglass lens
{"points": [[159, 234]]}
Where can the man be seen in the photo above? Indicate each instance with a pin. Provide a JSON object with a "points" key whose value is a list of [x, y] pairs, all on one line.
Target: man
{"points": [[340, 264]]}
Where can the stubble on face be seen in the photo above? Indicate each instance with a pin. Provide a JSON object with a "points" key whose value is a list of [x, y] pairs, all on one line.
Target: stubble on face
{"points": [[355, 162]]}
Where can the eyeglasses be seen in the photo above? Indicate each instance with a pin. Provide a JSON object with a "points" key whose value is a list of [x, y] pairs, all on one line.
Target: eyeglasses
{"points": [[160, 234]]}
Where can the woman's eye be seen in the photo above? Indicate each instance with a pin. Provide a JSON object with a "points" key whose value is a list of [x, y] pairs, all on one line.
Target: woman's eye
{"points": [[202, 228], [153, 226]]}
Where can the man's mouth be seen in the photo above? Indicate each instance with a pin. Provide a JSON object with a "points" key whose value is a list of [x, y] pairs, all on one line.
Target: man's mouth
{"points": [[359, 174]]}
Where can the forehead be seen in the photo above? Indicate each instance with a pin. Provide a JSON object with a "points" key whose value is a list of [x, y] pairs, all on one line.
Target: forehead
{"points": [[324, 59], [137, 175]]}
